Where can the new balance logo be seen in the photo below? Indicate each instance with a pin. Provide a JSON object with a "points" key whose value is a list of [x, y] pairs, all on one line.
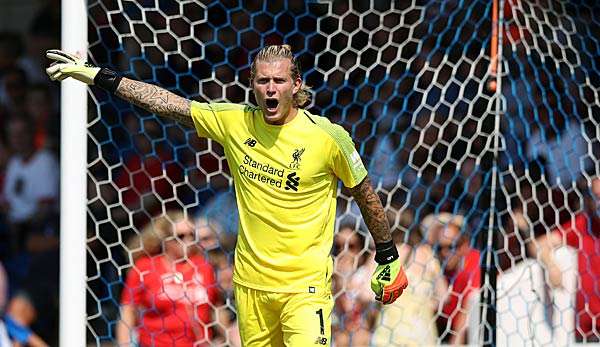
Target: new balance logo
{"points": [[292, 182], [250, 142], [321, 341], [385, 274]]}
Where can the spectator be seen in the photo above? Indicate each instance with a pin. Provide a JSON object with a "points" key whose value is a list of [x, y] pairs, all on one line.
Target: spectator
{"points": [[218, 247], [41, 107], [21, 313], [583, 234], [4, 339], [43, 34], [10, 50], [411, 319], [3, 288], [31, 183], [169, 292], [354, 314], [228, 333], [15, 52], [14, 92], [461, 270]]}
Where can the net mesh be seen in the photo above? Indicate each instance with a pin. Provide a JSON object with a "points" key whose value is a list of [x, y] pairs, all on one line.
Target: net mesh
{"points": [[408, 80]]}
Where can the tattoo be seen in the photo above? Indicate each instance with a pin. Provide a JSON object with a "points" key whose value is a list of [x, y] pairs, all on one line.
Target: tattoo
{"points": [[372, 211], [156, 100]]}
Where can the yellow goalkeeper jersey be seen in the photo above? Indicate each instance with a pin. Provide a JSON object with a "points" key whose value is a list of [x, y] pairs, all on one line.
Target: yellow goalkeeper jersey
{"points": [[286, 183]]}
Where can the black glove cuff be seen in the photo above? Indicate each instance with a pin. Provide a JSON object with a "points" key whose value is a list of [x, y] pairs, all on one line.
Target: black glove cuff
{"points": [[107, 79], [385, 252]]}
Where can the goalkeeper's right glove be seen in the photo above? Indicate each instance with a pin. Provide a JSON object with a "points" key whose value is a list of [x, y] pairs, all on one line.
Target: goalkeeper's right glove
{"points": [[389, 280], [68, 65]]}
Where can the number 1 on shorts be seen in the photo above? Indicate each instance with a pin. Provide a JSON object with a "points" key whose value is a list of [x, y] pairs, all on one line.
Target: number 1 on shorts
{"points": [[321, 322]]}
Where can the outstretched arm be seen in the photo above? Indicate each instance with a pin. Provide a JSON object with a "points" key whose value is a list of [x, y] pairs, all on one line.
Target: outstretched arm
{"points": [[147, 96], [156, 100], [388, 280]]}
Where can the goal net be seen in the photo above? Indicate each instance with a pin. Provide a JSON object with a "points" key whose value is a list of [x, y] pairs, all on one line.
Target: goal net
{"points": [[471, 177]]}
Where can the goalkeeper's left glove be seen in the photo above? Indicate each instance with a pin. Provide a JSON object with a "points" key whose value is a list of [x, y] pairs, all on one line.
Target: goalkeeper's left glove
{"points": [[68, 65], [388, 280]]}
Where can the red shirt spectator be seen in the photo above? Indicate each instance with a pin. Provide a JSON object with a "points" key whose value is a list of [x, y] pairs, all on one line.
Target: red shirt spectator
{"points": [[170, 301], [168, 294], [461, 269], [583, 233], [462, 283]]}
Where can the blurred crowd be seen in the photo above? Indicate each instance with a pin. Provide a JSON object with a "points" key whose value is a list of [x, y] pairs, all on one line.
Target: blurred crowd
{"points": [[422, 123], [29, 182]]}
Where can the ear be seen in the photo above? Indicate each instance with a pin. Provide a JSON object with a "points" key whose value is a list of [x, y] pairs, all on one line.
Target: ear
{"points": [[297, 85]]}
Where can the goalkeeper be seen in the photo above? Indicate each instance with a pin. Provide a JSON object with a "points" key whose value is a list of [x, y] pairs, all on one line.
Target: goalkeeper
{"points": [[286, 163]]}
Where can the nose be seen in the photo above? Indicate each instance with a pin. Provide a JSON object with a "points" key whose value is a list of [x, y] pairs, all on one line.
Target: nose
{"points": [[271, 88]]}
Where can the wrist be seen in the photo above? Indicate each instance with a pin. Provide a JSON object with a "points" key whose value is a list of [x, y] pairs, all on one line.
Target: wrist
{"points": [[385, 252], [107, 80]]}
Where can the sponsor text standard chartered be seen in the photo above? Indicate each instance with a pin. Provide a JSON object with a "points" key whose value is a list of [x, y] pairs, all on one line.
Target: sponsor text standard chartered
{"points": [[258, 176]]}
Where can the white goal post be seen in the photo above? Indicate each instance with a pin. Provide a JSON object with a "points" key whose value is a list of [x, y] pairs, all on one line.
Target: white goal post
{"points": [[409, 81], [73, 172]]}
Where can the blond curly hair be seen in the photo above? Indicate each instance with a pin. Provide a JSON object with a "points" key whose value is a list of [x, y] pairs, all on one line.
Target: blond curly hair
{"points": [[275, 52], [150, 241]]}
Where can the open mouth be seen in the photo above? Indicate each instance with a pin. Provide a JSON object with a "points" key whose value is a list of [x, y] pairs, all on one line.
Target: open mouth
{"points": [[271, 103]]}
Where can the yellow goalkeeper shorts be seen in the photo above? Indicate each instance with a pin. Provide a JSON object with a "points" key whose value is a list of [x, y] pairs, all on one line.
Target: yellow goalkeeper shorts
{"points": [[283, 319]]}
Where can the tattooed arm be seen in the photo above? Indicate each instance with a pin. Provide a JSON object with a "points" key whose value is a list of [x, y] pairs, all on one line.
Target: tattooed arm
{"points": [[372, 211], [147, 96], [156, 100], [388, 280]]}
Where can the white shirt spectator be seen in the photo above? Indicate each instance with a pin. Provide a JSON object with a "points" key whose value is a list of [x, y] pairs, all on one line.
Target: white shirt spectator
{"points": [[4, 340], [28, 182]]}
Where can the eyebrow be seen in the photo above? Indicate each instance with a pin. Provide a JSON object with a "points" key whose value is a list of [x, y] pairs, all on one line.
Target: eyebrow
{"points": [[271, 77]]}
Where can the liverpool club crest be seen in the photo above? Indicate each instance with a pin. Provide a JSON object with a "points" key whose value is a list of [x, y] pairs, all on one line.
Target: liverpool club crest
{"points": [[296, 156]]}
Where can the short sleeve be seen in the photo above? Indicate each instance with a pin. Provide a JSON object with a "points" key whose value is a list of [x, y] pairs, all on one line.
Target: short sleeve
{"points": [[16, 331], [133, 290], [211, 119], [571, 231], [347, 164]]}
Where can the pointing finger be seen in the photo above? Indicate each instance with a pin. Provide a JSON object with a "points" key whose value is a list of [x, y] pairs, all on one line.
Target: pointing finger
{"points": [[61, 56]]}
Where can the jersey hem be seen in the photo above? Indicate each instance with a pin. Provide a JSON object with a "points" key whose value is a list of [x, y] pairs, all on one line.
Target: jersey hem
{"points": [[277, 290]]}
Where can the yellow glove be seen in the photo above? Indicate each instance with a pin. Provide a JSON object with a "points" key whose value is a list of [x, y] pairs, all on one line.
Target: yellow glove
{"points": [[389, 280], [68, 65]]}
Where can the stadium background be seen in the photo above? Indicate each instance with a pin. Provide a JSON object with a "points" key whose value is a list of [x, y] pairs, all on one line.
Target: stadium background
{"points": [[407, 80]]}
